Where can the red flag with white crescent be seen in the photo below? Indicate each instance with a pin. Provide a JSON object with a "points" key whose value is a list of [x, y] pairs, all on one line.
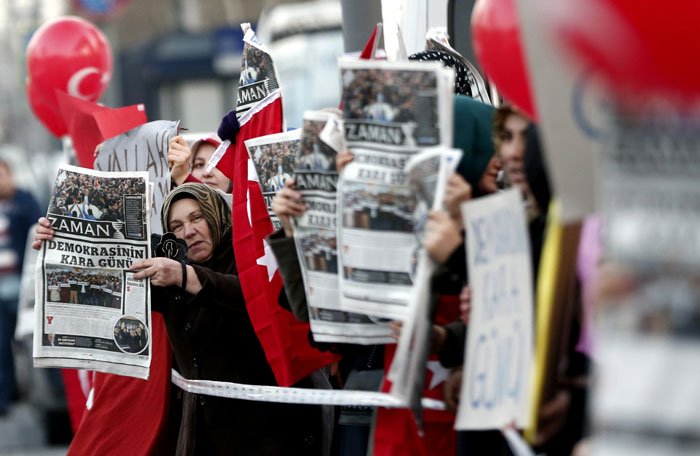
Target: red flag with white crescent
{"points": [[284, 339], [396, 432]]}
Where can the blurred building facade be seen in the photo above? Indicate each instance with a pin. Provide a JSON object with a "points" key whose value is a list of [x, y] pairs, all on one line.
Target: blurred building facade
{"points": [[164, 55], [181, 57]]}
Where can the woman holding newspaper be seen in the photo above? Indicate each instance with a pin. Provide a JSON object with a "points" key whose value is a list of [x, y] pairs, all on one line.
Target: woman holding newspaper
{"points": [[212, 337]]}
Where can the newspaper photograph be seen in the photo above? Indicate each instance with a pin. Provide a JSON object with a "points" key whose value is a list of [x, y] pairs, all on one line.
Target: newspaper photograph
{"points": [[376, 210], [258, 75], [273, 157], [143, 148], [428, 172], [316, 236], [396, 106], [90, 312]]}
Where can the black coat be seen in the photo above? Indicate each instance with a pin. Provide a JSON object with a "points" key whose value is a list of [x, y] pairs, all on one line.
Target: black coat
{"points": [[213, 339]]}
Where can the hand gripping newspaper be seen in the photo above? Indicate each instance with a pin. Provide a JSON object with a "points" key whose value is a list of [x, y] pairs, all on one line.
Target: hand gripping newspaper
{"points": [[315, 236], [90, 312], [391, 111]]}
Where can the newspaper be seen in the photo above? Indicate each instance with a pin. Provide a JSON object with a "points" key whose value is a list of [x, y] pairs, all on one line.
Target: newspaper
{"points": [[391, 111], [649, 192], [143, 148], [437, 39], [90, 312], [649, 197], [427, 173], [316, 236], [258, 75], [273, 157]]}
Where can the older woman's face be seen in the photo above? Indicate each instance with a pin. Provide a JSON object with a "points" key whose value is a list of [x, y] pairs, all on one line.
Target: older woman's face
{"points": [[215, 178], [187, 222]]}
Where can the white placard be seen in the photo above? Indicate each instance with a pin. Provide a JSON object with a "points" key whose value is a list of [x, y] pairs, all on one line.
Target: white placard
{"points": [[499, 351], [144, 148]]}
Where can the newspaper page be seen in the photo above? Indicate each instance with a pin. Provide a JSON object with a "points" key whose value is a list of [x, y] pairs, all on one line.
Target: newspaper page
{"points": [[437, 39], [90, 312], [143, 148], [391, 111], [273, 157], [258, 76], [427, 173], [499, 348], [316, 236], [649, 173]]}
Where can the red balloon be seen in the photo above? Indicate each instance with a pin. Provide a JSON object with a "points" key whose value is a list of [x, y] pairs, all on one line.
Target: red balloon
{"points": [[496, 37], [50, 118], [637, 49], [71, 55]]}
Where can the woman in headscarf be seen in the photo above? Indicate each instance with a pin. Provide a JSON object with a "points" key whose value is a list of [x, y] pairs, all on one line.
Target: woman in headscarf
{"points": [[213, 339], [189, 164]]}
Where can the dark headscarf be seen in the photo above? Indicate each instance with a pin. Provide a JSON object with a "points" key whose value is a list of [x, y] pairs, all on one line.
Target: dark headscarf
{"points": [[472, 134], [536, 169], [212, 204]]}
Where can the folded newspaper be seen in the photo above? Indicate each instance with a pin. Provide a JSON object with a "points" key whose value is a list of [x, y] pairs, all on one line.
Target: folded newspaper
{"points": [[258, 75], [90, 312], [316, 236], [428, 173]]}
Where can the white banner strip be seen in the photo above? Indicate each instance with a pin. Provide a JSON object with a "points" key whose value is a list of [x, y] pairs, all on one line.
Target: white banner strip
{"points": [[516, 443], [216, 156], [294, 395]]}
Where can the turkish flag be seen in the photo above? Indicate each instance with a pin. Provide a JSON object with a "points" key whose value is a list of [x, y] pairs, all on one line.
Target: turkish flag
{"points": [[396, 432], [76, 385], [129, 415], [284, 339], [90, 124], [116, 420], [370, 48]]}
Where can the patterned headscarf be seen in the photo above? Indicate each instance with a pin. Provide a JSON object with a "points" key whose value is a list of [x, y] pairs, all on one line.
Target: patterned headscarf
{"points": [[468, 81], [211, 202]]}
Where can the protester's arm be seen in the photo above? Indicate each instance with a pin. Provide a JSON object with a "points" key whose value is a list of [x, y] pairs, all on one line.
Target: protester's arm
{"points": [[203, 286], [166, 272], [214, 285], [451, 353], [288, 262], [179, 159], [451, 389], [442, 236]]}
